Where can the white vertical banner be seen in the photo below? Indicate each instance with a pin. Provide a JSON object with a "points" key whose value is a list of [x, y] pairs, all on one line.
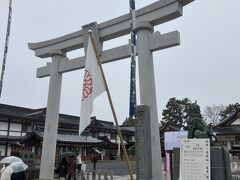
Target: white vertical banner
{"points": [[195, 159], [93, 86]]}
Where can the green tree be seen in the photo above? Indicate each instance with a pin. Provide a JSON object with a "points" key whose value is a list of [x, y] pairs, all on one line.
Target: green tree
{"points": [[173, 112], [177, 111], [229, 110]]}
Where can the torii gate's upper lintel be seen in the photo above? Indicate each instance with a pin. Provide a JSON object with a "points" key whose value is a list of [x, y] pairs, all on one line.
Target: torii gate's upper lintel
{"points": [[155, 13], [157, 42]]}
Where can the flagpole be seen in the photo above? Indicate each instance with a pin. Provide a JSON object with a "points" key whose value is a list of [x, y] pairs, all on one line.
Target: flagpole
{"points": [[133, 101], [6, 46], [112, 107]]}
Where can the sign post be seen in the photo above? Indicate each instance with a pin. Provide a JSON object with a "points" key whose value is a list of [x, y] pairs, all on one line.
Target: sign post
{"points": [[195, 159]]}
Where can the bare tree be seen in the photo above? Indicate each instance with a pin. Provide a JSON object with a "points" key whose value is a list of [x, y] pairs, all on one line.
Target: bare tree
{"points": [[211, 114]]}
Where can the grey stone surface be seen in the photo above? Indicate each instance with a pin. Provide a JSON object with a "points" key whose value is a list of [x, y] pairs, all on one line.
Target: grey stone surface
{"points": [[176, 163], [143, 143], [220, 164], [156, 41], [148, 94], [93, 27], [52, 116], [156, 13]]}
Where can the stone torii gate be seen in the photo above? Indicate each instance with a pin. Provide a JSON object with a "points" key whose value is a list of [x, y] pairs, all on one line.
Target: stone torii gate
{"points": [[147, 42]]}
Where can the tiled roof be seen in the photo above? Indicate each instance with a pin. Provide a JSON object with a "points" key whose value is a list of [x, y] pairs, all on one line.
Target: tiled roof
{"points": [[110, 125], [77, 138], [228, 120], [229, 130], [171, 127], [69, 119], [128, 128], [66, 138], [106, 124], [39, 116], [15, 111], [131, 128], [225, 126]]}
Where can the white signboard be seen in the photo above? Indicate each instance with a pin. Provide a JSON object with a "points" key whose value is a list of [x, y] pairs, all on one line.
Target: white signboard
{"points": [[195, 159], [172, 139]]}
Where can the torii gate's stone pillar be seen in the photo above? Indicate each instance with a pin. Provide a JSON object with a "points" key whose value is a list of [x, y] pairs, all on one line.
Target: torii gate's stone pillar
{"points": [[52, 117], [148, 93]]}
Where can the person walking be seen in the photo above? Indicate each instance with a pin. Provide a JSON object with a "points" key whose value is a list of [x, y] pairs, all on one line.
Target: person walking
{"points": [[1, 171], [79, 162], [18, 176], [6, 172], [62, 169], [72, 169], [94, 160]]}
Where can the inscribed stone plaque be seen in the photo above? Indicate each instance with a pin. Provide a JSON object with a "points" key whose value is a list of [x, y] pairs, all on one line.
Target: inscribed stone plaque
{"points": [[195, 159], [143, 143]]}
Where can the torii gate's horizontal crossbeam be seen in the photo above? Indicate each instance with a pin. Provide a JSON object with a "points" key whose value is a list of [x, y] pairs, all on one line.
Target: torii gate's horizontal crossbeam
{"points": [[156, 13], [156, 42]]}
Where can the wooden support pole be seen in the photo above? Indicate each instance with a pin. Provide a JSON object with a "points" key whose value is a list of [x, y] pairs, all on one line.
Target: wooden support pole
{"points": [[112, 107]]}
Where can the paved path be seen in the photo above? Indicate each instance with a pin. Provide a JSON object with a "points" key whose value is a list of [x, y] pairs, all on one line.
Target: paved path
{"points": [[118, 168]]}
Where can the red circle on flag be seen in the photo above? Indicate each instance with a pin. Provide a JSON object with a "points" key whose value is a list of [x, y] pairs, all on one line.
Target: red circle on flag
{"points": [[87, 85]]}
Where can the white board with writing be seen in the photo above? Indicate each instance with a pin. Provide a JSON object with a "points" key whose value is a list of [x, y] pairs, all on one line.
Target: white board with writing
{"points": [[172, 139], [195, 159]]}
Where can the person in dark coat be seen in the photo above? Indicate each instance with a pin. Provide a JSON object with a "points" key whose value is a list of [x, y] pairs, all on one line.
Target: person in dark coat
{"points": [[94, 160], [62, 169], [18, 176], [72, 168]]}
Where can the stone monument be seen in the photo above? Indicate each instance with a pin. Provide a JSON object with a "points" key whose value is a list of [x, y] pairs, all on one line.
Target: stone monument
{"points": [[214, 165], [143, 143]]}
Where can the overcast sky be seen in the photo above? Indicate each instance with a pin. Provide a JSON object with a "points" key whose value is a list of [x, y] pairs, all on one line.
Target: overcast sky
{"points": [[205, 67]]}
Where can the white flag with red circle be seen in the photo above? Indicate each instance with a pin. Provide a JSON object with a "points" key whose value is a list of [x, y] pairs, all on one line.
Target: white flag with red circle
{"points": [[93, 86]]}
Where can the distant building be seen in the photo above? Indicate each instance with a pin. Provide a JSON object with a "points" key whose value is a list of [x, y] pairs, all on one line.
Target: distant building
{"points": [[228, 134], [22, 128]]}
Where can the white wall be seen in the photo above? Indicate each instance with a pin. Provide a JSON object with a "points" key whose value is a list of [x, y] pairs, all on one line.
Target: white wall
{"points": [[3, 128], [15, 127], [2, 150]]}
